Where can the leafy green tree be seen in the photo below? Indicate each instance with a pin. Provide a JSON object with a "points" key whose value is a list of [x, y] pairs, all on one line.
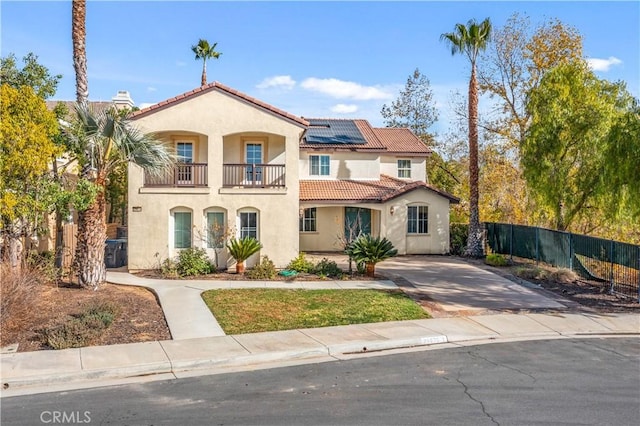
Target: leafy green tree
{"points": [[414, 109], [567, 147], [27, 129], [205, 51], [470, 40], [107, 140], [32, 74]]}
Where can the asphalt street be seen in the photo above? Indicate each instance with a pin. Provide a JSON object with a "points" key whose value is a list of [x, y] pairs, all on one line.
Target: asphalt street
{"points": [[591, 381]]}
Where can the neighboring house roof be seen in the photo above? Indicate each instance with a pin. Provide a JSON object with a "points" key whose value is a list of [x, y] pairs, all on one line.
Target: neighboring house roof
{"points": [[71, 105], [224, 89], [400, 140], [363, 191]]}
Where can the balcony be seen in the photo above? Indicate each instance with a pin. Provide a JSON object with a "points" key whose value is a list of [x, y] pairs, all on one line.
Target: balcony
{"points": [[253, 175], [183, 175]]}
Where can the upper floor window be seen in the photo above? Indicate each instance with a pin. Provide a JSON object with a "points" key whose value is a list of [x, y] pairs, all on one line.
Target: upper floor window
{"points": [[182, 230], [184, 151], [319, 165], [308, 220], [418, 219], [404, 168]]}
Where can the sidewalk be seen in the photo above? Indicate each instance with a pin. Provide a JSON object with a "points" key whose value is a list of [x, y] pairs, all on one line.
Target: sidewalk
{"points": [[199, 345]]}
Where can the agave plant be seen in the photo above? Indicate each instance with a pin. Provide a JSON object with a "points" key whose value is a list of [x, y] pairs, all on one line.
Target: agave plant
{"points": [[242, 249], [369, 250]]}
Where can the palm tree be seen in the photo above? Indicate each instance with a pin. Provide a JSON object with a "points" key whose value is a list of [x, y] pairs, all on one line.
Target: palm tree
{"points": [[470, 40], [107, 140], [78, 36], [205, 51]]}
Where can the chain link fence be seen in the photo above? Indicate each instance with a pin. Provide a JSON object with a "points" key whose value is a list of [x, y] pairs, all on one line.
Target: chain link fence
{"points": [[614, 264]]}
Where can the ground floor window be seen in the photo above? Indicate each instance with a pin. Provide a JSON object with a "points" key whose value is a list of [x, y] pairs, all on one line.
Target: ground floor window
{"points": [[418, 219], [216, 229], [249, 225], [308, 220], [182, 230]]}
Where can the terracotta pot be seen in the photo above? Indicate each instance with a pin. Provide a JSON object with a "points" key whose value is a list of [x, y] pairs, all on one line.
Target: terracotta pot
{"points": [[239, 267], [371, 269]]}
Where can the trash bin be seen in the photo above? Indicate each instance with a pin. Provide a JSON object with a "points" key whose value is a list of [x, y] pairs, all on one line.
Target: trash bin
{"points": [[110, 254], [121, 252]]}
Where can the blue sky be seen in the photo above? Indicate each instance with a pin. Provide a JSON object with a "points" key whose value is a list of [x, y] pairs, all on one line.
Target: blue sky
{"points": [[313, 59]]}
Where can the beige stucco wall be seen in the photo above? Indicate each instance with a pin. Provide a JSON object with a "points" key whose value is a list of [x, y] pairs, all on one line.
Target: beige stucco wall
{"points": [[222, 123], [389, 166], [343, 165], [330, 224]]}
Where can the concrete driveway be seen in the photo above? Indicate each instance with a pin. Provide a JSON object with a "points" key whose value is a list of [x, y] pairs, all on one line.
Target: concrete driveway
{"points": [[460, 286]]}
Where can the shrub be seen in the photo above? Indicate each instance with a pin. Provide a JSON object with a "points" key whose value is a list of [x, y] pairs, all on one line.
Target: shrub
{"points": [[563, 275], [242, 249], [83, 329], [18, 292], [531, 273], [44, 263], [194, 261], [495, 259], [265, 270], [458, 233], [169, 269], [369, 250], [301, 264], [328, 268]]}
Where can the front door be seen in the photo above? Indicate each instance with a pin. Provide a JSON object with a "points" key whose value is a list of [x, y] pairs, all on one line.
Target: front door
{"points": [[357, 221]]}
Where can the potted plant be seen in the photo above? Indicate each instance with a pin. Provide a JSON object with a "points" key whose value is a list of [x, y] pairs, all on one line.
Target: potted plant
{"points": [[369, 250], [242, 249]]}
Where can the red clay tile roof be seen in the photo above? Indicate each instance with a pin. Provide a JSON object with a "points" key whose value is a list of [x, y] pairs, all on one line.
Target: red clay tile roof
{"points": [[400, 140], [373, 144], [225, 89], [362, 191]]}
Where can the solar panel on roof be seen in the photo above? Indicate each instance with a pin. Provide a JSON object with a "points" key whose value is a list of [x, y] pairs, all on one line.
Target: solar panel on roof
{"points": [[334, 132]]}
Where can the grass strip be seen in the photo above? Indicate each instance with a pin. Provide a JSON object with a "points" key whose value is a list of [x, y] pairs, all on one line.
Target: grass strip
{"points": [[241, 311]]}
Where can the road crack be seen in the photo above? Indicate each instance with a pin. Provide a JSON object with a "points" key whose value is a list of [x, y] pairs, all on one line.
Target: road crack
{"points": [[497, 364], [484, 409]]}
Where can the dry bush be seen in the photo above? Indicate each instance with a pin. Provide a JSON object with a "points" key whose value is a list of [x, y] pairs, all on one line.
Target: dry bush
{"points": [[18, 293], [563, 275], [531, 273]]}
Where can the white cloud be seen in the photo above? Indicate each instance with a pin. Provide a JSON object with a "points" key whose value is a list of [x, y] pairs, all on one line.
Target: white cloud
{"points": [[151, 89], [284, 81], [598, 64], [344, 108], [180, 63], [341, 89]]}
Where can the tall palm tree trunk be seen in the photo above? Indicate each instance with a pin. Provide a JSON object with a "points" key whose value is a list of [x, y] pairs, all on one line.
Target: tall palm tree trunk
{"points": [[474, 239], [78, 36], [204, 72], [92, 234]]}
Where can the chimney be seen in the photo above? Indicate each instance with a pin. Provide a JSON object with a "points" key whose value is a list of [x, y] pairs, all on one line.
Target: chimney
{"points": [[123, 100]]}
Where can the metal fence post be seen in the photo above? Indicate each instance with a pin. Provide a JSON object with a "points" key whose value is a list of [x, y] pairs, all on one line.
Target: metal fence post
{"points": [[611, 249], [570, 251], [537, 243], [511, 242]]}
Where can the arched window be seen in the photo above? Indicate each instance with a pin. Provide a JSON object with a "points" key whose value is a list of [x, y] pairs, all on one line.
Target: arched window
{"points": [[216, 227]]}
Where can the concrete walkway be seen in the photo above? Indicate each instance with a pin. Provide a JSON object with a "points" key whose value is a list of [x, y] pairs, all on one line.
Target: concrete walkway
{"points": [[199, 345], [187, 315]]}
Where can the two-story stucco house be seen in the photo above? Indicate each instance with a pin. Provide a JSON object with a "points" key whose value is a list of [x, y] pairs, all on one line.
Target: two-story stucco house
{"points": [[248, 168]]}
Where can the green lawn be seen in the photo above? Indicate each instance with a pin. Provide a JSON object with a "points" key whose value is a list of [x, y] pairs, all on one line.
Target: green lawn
{"points": [[255, 310]]}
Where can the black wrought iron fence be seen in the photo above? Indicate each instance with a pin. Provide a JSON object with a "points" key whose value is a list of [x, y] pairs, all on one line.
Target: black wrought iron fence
{"points": [[615, 264]]}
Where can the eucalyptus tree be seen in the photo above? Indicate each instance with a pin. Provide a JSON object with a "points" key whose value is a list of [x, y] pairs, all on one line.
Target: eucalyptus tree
{"points": [[470, 40], [105, 140], [205, 51]]}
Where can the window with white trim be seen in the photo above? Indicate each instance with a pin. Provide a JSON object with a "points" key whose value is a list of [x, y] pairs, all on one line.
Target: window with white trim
{"points": [[248, 225], [418, 219], [216, 229], [308, 220], [182, 229], [319, 165], [404, 168], [184, 152]]}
